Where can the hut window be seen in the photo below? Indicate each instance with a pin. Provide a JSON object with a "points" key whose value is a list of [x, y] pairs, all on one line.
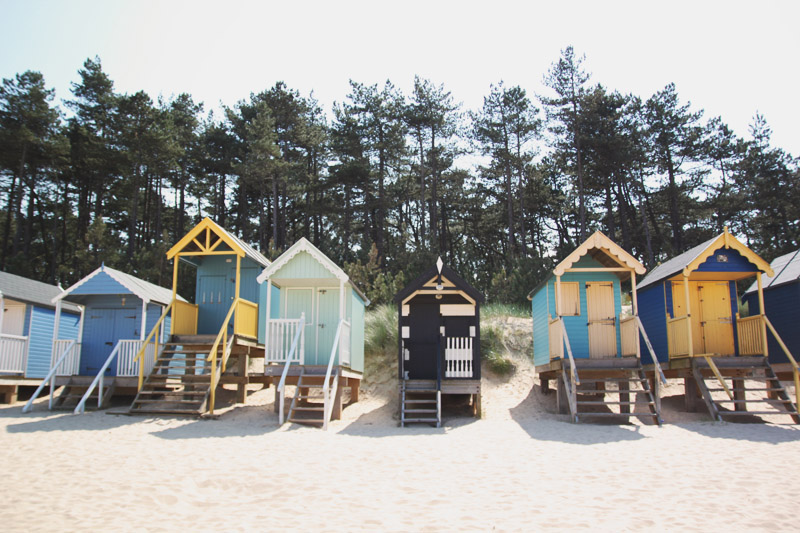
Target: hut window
{"points": [[570, 299]]}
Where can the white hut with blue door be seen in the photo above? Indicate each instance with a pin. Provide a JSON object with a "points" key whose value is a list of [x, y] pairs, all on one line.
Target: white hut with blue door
{"points": [[27, 321], [689, 307], [208, 336], [316, 340], [119, 310], [582, 339], [439, 344]]}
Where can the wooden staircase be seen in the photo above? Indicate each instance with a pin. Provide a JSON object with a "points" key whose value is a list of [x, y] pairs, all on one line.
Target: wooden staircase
{"points": [[308, 405], [420, 402], [768, 397], [76, 387], [180, 382], [609, 388]]}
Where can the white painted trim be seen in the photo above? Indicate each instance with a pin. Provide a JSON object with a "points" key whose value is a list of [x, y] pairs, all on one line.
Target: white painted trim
{"points": [[124, 281], [406, 332]]}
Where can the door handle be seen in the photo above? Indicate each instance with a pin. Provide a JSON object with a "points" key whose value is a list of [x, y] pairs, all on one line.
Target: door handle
{"points": [[109, 343]]}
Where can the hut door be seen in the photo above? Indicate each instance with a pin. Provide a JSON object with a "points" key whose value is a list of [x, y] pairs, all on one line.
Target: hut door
{"points": [[213, 303], [14, 320], [715, 317], [327, 322], [104, 328], [602, 319], [423, 342]]}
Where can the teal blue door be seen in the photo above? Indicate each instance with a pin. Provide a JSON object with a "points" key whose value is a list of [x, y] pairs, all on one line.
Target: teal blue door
{"points": [[213, 301], [327, 322]]}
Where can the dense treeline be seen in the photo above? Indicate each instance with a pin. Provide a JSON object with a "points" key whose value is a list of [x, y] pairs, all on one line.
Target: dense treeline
{"points": [[384, 185]]}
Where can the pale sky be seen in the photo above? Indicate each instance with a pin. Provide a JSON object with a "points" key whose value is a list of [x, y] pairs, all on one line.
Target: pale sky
{"points": [[731, 59]]}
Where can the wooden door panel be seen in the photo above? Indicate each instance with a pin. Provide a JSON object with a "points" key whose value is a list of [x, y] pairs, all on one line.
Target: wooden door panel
{"points": [[601, 319]]}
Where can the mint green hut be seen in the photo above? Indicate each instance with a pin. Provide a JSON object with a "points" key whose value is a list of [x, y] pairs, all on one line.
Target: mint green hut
{"points": [[317, 341]]}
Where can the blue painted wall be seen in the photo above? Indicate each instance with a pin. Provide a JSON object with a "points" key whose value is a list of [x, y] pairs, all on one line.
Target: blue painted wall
{"points": [[275, 311], [39, 328], [782, 310], [577, 329], [101, 283], [736, 262], [653, 302]]}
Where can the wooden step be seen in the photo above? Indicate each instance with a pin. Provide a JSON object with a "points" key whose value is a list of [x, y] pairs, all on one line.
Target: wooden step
{"points": [[420, 410], [167, 400], [420, 421]]}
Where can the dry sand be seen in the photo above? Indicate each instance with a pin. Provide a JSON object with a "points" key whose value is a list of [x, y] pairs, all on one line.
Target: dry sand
{"points": [[522, 467]]}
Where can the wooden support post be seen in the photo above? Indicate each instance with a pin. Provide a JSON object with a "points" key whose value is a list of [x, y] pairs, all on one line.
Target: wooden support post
{"points": [[355, 384], [241, 388], [739, 394], [690, 394], [337, 401], [478, 412], [688, 315], [545, 385], [763, 314], [561, 398], [8, 393], [277, 399], [624, 397]]}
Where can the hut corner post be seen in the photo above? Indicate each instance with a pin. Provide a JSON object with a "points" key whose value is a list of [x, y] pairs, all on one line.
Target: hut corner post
{"points": [[763, 314], [688, 314]]}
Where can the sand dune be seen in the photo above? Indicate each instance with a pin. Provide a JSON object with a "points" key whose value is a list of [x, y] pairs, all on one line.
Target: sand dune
{"points": [[520, 468]]}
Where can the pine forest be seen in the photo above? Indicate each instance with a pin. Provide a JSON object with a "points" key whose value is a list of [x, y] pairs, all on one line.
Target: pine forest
{"points": [[384, 182]]}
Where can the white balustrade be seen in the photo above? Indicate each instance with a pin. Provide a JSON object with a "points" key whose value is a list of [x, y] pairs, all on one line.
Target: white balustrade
{"points": [[280, 333], [126, 366], [72, 362], [458, 357], [13, 354]]}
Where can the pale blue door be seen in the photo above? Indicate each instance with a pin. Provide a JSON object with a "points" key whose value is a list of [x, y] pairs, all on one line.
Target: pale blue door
{"points": [[327, 322], [299, 302]]}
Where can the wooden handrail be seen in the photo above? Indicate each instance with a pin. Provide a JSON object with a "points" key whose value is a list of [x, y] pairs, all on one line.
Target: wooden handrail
{"points": [[140, 354], [717, 373], [49, 378], [282, 383], [222, 336], [795, 369], [565, 339]]}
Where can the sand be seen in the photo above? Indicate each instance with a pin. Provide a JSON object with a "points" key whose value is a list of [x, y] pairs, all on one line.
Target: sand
{"points": [[522, 467]]}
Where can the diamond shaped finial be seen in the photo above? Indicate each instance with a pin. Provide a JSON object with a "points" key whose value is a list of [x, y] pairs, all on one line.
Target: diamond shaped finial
{"points": [[439, 264]]}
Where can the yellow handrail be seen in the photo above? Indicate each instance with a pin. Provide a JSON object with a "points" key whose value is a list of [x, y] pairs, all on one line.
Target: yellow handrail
{"points": [[212, 355], [795, 369], [140, 354], [719, 375]]}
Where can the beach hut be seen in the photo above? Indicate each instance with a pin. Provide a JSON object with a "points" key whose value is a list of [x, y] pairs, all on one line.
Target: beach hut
{"points": [[27, 321], [119, 310], [582, 339], [689, 307], [315, 340], [205, 337], [439, 344], [780, 310]]}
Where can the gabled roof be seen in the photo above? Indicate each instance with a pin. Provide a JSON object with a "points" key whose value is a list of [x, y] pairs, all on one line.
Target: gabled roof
{"points": [[688, 261], [304, 245], [30, 291], [239, 247], [433, 272], [145, 290], [605, 251], [786, 269]]}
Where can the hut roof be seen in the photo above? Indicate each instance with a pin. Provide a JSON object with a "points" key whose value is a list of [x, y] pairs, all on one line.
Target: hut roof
{"points": [[236, 244], [145, 290], [604, 251], [304, 245], [786, 269], [689, 260], [31, 291], [433, 272]]}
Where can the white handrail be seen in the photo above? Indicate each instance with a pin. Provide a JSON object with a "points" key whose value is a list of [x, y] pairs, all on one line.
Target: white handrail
{"points": [[81, 407], [327, 406], [282, 382], [49, 378]]}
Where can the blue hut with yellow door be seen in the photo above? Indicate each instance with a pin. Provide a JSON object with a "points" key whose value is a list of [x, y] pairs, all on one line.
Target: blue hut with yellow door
{"points": [[314, 338], [584, 341], [689, 307]]}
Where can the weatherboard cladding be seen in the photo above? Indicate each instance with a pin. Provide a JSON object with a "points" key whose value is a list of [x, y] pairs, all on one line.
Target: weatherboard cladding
{"points": [[106, 280], [541, 321], [652, 309], [28, 290], [42, 323], [303, 266], [356, 332]]}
